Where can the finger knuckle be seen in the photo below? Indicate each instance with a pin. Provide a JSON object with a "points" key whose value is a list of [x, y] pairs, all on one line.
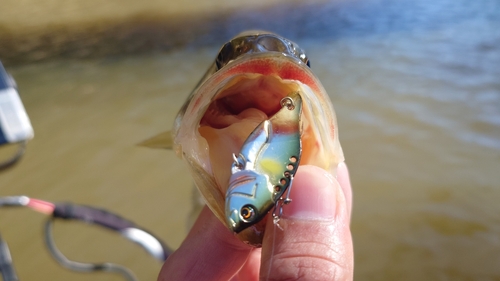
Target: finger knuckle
{"points": [[308, 261]]}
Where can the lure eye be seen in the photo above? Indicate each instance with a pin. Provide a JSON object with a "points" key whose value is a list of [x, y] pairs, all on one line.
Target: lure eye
{"points": [[247, 213]]}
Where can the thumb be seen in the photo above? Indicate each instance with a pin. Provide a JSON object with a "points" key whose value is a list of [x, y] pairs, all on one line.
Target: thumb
{"points": [[315, 243]]}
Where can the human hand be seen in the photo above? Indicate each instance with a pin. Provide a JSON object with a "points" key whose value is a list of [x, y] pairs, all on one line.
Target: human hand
{"points": [[315, 243]]}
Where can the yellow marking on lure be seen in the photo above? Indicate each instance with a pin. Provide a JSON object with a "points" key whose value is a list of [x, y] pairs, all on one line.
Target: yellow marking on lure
{"points": [[270, 166]]}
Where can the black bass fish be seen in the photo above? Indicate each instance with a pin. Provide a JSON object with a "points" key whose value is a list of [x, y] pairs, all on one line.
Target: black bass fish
{"points": [[255, 117]]}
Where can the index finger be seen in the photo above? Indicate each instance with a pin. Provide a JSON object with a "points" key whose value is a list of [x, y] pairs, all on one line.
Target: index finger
{"points": [[209, 252]]}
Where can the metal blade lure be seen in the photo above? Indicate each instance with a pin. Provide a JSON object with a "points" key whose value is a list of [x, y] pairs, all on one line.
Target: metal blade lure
{"points": [[264, 168]]}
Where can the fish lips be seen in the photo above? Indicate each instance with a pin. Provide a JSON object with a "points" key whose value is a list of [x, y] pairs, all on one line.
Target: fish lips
{"points": [[194, 148]]}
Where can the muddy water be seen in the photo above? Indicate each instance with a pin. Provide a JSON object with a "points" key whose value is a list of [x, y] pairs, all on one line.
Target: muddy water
{"points": [[416, 87]]}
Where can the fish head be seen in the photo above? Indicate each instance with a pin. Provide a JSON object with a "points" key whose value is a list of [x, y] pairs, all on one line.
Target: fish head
{"points": [[245, 85]]}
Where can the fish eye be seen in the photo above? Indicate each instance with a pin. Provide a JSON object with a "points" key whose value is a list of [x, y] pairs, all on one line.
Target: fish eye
{"points": [[302, 56], [226, 53], [247, 213]]}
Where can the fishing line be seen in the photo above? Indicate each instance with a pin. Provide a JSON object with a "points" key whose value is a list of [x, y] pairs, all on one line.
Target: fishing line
{"points": [[272, 251], [9, 163], [276, 220], [90, 215], [80, 266]]}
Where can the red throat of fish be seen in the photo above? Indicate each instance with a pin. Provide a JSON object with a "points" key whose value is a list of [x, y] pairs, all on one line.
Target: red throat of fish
{"points": [[236, 110]]}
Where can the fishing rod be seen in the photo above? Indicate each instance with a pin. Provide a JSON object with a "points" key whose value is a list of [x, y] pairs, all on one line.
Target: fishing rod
{"points": [[16, 129], [90, 215], [6, 266]]}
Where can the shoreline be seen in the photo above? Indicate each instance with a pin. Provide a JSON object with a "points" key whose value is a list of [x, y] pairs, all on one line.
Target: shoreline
{"points": [[147, 31]]}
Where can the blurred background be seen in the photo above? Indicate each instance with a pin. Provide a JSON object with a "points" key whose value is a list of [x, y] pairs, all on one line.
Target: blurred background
{"points": [[415, 84]]}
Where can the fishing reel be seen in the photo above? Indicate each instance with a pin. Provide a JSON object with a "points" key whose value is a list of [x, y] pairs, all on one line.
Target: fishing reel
{"points": [[15, 126]]}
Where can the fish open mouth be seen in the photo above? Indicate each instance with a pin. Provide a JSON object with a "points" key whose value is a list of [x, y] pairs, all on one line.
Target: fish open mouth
{"points": [[235, 111], [253, 95], [231, 102]]}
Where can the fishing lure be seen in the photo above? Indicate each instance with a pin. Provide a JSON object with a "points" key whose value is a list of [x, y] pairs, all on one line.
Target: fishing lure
{"points": [[264, 168]]}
